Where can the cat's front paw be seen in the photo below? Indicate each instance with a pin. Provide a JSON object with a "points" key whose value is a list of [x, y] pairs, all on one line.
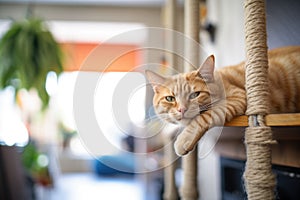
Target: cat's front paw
{"points": [[184, 144]]}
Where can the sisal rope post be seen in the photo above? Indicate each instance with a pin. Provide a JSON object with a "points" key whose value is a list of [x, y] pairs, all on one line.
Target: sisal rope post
{"points": [[170, 23], [191, 30], [170, 191], [189, 189], [258, 177]]}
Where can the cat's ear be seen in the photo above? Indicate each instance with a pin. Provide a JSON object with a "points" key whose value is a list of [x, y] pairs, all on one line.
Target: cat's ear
{"points": [[155, 79], [206, 70]]}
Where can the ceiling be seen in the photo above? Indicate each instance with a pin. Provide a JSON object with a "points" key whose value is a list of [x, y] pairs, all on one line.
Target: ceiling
{"points": [[92, 2]]}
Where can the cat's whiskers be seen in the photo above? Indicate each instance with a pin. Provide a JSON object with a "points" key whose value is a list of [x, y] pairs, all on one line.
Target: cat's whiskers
{"points": [[169, 117], [162, 117], [206, 107]]}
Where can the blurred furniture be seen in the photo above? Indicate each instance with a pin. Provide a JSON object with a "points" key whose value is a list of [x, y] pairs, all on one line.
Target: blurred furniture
{"points": [[14, 183]]}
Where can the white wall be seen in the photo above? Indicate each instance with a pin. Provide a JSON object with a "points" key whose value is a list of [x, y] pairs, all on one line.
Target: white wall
{"points": [[228, 49], [230, 35]]}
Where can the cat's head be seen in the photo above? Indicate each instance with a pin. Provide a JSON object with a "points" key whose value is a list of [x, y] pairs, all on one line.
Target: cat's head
{"points": [[181, 97]]}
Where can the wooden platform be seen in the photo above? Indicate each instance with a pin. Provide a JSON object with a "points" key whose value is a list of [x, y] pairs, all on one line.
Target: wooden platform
{"points": [[291, 119]]}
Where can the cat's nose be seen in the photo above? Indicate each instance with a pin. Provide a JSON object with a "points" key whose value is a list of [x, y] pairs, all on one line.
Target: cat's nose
{"points": [[181, 110]]}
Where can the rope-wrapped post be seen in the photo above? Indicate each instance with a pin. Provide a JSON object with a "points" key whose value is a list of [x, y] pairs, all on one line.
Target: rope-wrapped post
{"points": [[170, 191], [189, 189], [191, 30], [170, 24], [258, 177]]}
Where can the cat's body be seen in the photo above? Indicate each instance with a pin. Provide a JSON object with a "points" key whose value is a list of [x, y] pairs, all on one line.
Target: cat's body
{"points": [[205, 98]]}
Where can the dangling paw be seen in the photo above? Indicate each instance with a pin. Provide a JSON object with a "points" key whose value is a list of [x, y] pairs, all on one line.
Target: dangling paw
{"points": [[184, 144]]}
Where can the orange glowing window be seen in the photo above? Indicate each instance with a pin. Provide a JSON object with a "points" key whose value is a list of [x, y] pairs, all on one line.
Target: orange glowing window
{"points": [[100, 57]]}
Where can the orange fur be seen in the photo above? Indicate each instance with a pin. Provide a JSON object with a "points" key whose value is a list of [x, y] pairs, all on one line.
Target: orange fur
{"points": [[203, 98]]}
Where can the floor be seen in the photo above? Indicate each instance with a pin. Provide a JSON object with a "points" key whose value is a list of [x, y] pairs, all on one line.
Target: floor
{"points": [[82, 186]]}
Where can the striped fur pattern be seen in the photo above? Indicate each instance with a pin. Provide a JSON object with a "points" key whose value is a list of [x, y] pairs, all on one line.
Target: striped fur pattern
{"points": [[205, 98]]}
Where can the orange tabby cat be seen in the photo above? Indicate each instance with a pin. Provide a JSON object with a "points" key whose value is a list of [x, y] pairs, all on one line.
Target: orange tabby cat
{"points": [[205, 98]]}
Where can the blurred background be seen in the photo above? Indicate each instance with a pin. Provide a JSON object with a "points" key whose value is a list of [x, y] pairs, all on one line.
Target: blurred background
{"points": [[43, 155]]}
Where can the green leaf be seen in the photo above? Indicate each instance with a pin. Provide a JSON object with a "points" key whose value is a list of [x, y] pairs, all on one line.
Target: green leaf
{"points": [[28, 51]]}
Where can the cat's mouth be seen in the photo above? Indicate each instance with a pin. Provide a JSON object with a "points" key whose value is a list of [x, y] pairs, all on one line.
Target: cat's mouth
{"points": [[184, 121], [189, 114], [186, 116]]}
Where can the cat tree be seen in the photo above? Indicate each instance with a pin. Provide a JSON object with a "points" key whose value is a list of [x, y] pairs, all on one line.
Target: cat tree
{"points": [[259, 180]]}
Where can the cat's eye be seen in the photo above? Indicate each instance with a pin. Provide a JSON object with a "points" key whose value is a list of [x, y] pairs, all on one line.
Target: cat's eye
{"points": [[194, 95], [170, 98]]}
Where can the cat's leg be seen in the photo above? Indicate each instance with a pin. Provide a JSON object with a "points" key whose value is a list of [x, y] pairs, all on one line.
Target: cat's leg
{"points": [[188, 138], [194, 131]]}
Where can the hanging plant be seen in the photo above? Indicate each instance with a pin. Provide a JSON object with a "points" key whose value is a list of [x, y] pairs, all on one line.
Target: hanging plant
{"points": [[28, 51]]}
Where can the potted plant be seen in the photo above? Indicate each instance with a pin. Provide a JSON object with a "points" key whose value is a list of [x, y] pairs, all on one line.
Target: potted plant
{"points": [[28, 52]]}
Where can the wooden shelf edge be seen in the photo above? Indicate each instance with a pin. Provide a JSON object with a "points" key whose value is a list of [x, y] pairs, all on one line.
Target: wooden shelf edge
{"points": [[290, 119]]}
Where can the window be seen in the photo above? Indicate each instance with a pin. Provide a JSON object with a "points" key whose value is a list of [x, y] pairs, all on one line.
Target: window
{"points": [[119, 102]]}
